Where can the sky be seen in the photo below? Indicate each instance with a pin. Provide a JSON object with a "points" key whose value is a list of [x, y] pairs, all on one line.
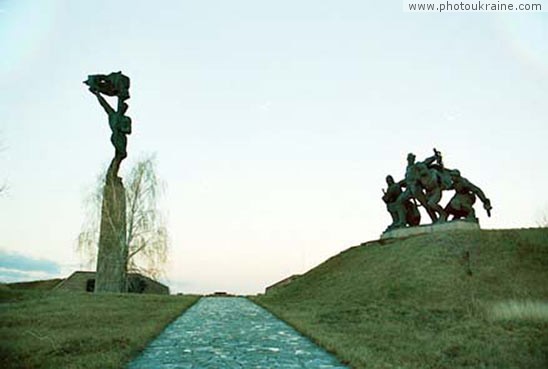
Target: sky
{"points": [[274, 124]]}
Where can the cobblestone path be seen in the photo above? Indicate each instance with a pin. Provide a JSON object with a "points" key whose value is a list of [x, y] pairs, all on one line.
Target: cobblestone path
{"points": [[226, 333]]}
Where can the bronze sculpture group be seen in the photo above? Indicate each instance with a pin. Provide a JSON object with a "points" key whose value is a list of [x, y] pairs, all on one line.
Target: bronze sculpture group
{"points": [[423, 185]]}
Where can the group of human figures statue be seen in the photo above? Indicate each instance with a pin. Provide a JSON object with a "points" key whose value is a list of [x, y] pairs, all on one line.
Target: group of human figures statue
{"points": [[423, 185], [114, 84]]}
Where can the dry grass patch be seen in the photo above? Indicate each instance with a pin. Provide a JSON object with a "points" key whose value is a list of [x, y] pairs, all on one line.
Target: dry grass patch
{"points": [[520, 310]]}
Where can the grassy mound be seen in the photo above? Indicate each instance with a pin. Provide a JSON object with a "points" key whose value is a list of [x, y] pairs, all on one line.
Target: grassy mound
{"points": [[52, 330], [469, 299]]}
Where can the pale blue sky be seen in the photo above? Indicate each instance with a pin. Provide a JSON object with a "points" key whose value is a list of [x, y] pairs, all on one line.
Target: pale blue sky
{"points": [[274, 122]]}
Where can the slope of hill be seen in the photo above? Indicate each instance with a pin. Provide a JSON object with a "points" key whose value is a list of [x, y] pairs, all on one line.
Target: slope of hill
{"points": [[468, 299]]}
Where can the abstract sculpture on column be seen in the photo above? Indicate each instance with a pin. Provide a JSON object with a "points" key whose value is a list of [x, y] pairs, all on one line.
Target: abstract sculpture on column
{"points": [[111, 273]]}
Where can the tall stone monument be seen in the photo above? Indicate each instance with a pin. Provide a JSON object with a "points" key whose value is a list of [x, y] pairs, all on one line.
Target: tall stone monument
{"points": [[112, 257]]}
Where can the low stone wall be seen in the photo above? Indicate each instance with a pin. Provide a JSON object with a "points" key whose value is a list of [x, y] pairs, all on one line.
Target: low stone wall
{"points": [[136, 283], [283, 282]]}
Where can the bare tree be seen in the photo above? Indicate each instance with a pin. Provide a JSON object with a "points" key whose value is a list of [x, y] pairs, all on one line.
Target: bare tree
{"points": [[147, 237], [542, 221], [3, 186]]}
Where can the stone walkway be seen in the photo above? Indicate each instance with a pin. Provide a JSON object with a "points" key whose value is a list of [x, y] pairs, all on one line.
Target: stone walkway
{"points": [[226, 333]]}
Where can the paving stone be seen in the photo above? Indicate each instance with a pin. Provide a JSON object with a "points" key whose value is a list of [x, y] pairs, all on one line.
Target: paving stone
{"points": [[231, 332]]}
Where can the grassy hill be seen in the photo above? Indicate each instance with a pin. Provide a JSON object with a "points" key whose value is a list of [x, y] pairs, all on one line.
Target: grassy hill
{"points": [[77, 330], [468, 299]]}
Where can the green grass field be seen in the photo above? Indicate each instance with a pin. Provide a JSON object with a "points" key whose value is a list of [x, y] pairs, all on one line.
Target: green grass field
{"points": [[454, 300], [54, 330]]}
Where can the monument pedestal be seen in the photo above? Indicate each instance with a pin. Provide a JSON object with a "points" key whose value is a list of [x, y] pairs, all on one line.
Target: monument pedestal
{"points": [[454, 225], [113, 250]]}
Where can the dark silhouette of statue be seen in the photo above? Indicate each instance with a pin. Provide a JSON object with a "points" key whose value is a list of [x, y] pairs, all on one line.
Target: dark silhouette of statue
{"points": [[407, 208], [432, 182], [424, 182], [461, 204], [113, 250], [413, 183], [114, 84]]}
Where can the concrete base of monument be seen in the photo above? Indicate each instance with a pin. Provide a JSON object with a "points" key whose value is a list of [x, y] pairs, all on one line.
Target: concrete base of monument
{"points": [[455, 225]]}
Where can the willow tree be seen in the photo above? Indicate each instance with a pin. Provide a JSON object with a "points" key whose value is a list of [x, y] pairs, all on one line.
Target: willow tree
{"points": [[3, 186], [147, 237]]}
